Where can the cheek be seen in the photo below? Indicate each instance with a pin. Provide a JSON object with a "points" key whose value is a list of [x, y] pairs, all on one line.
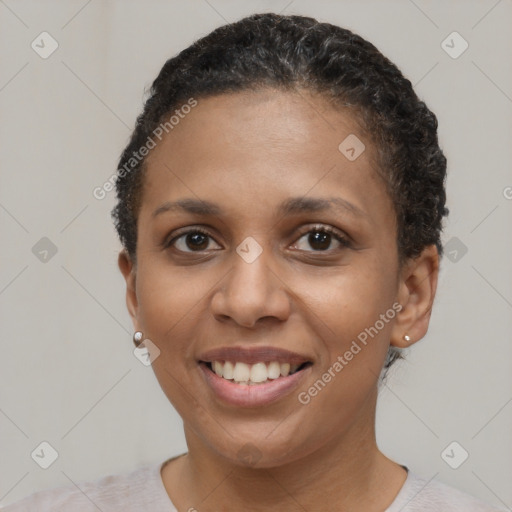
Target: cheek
{"points": [[353, 317], [170, 313], [169, 307], [350, 300]]}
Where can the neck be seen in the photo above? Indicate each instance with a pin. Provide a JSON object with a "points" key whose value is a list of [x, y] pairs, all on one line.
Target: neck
{"points": [[349, 469]]}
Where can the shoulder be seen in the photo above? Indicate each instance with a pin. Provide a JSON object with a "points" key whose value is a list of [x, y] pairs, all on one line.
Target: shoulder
{"points": [[125, 491], [419, 494]]}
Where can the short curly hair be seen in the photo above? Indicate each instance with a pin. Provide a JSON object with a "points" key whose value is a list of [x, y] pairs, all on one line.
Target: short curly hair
{"points": [[296, 53]]}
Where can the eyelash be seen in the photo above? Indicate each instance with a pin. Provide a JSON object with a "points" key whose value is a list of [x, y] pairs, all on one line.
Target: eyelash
{"points": [[343, 240]]}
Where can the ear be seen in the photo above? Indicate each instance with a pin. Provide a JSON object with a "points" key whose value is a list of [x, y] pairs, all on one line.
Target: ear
{"points": [[128, 269], [416, 292]]}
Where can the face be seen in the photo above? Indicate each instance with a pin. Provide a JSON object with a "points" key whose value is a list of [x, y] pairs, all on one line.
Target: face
{"points": [[263, 249]]}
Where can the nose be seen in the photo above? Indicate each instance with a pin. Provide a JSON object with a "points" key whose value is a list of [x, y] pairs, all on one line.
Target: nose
{"points": [[251, 294]]}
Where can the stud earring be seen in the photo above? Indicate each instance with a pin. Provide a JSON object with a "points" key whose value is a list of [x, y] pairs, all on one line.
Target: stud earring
{"points": [[407, 337], [137, 338]]}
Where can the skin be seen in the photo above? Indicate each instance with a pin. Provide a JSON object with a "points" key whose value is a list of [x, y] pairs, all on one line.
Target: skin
{"points": [[248, 152]]}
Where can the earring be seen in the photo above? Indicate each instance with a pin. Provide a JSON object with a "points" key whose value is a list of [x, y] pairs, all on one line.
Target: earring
{"points": [[137, 338], [407, 337]]}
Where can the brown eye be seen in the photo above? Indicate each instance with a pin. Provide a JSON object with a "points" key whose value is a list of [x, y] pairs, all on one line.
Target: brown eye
{"points": [[197, 241], [321, 238], [194, 240]]}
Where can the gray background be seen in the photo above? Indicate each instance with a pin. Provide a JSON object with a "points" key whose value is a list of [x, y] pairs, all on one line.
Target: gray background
{"points": [[68, 374]]}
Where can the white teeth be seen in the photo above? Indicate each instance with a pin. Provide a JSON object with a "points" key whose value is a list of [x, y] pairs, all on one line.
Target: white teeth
{"points": [[285, 369], [253, 374], [259, 372], [217, 368], [242, 372], [228, 370], [274, 370]]}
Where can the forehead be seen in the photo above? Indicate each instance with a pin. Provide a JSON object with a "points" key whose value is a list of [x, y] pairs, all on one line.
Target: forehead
{"points": [[265, 144]]}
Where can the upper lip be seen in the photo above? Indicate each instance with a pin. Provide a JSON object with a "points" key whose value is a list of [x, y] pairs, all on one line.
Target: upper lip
{"points": [[252, 355]]}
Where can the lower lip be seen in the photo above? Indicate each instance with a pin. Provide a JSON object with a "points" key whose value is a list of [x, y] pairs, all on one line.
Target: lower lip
{"points": [[257, 395]]}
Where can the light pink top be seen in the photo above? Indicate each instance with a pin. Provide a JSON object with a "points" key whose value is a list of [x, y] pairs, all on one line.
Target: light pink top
{"points": [[143, 490]]}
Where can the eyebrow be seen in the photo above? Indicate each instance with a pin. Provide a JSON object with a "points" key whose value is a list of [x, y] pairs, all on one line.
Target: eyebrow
{"points": [[291, 206]]}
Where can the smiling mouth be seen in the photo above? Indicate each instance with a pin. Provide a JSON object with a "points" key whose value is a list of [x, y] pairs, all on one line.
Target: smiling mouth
{"points": [[253, 374]]}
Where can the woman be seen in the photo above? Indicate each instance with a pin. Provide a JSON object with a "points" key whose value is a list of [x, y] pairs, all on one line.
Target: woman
{"points": [[280, 205]]}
